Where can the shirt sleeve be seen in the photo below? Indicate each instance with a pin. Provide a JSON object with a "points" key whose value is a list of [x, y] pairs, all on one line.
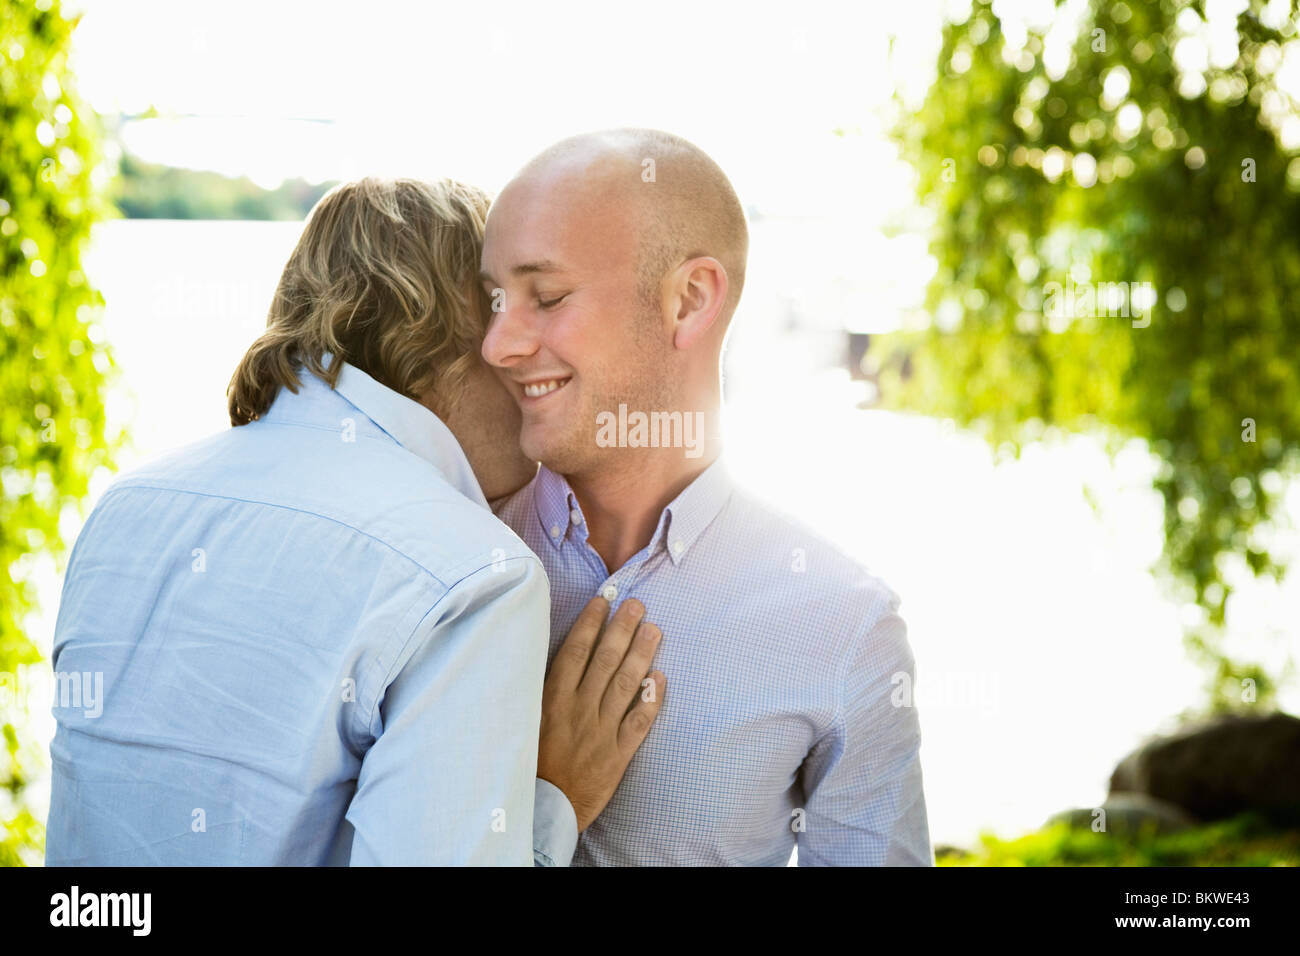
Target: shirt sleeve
{"points": [[449, 779], [555, 826], [862, 779]]}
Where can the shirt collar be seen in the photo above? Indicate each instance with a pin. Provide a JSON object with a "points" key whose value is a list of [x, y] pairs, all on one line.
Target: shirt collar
{"points": [[407, 422], [680, 524]]}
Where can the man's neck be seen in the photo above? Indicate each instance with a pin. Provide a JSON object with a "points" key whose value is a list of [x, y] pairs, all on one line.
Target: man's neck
{"points": [[622, 505]]}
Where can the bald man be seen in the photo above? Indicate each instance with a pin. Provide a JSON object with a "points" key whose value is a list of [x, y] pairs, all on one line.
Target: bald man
{"points": [[615, 261]]}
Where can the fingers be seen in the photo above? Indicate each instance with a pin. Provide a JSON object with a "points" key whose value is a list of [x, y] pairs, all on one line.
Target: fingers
{"points": [[626, 683], [571, 659], [637, 723], [610, 650]]}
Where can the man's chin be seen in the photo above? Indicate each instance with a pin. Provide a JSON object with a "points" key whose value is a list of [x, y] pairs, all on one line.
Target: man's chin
{"points": [[549, 449]]}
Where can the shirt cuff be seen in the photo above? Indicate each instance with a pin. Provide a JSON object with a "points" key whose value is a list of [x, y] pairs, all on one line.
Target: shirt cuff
{"points": [[555, 826]]}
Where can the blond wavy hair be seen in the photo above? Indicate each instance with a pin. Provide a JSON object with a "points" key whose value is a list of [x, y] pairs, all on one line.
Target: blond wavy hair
{"points": [[385, 276]]}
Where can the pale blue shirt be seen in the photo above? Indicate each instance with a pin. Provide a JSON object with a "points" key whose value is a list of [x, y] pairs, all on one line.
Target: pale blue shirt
{"points": [[305, 640], [788, 716]]}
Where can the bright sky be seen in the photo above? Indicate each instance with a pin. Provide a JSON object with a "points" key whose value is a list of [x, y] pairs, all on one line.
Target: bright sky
{"points": [[331, 90], [275, 90]]}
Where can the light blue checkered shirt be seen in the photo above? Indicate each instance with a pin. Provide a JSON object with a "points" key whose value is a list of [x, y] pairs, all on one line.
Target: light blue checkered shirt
{"points": [[788, 714]]}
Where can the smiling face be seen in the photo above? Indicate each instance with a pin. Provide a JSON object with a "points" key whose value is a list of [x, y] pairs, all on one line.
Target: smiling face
{"points": [[574, 332]]}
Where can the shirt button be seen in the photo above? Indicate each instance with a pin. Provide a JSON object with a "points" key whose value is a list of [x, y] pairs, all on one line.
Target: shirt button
{"points": [[609, 592], [575, 516], [555, 531], [678, 547]]}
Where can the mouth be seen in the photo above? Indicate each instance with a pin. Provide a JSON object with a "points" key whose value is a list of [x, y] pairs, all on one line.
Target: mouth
{"points": [[541, 389]]}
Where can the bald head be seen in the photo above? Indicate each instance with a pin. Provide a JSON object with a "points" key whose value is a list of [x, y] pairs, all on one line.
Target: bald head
{"points": [[614, 261], [681, 202]]}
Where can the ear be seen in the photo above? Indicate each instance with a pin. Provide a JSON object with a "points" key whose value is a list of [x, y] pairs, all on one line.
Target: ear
{"points": [[699, 292]]}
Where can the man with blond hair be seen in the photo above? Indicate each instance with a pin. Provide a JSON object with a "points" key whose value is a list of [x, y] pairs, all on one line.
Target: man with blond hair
{"points": [[308, 638], [616, 261]]}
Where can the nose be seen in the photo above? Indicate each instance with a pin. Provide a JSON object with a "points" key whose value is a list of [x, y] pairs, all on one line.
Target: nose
{"points": [[510, 336]]}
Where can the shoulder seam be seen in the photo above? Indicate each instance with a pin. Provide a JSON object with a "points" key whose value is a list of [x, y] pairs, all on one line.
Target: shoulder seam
{"points": [[129, 483], [391, 675]]}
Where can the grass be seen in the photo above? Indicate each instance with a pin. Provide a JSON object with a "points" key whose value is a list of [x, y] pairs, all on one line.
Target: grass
{"points": [[1248, 840]]}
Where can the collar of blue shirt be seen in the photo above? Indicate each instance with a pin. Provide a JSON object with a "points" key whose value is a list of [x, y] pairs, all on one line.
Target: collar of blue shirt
{"points": [[680, 524], [404, 421]]}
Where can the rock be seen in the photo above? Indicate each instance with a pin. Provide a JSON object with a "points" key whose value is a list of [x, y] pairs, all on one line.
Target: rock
{"points": [[944, 851], [1222, 768], [1130, 814]]}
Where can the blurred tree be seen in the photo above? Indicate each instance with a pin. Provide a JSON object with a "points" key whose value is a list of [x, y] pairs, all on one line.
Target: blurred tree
{"points": [[151, 191], [52, 371], [1067, 164]]}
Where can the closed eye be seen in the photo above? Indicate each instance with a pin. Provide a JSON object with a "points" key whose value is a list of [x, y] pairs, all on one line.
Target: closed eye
{"points": [[551, 303]]}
